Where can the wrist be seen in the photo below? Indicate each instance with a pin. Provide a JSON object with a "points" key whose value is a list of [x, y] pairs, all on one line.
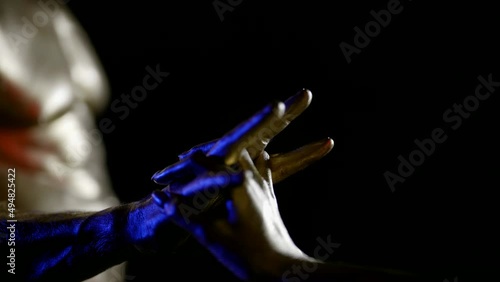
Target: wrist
{"points": [[149, 227], [103, 237], [138, 230]]}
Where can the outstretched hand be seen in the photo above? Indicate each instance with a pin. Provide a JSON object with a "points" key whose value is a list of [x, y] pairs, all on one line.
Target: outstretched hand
{"points": [[251, 136], [246, 233], [199, 195]]}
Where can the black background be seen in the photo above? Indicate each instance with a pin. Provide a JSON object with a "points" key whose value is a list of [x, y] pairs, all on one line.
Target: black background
{"points": [[442, 218]]}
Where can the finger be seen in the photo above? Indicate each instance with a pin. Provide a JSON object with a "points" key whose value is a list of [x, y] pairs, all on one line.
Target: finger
{"points": [[204, 148], [262, 165], [172, 172], [160, 197], [187, 169], [210, 181], [247, 164], [230, 145], [226, 147], [286, 164], [258, 135], [164, 201], [199, 165], [259, 130], [260, 171], [184, 170], [294, 106]]}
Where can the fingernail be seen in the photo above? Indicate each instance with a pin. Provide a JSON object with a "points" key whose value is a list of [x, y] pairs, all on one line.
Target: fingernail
{"points": [[155, 175], [323, 146], [328, 145], [329, 142], [302, 94]]}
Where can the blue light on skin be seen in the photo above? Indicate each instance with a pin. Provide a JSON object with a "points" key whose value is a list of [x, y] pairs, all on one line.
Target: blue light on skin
{"points": [[73, 245], [231, 212], [209, 181], [216, 148], [220, 147]]}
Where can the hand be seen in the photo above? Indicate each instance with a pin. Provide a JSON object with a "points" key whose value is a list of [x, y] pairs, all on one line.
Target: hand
{"points": [[253, 135], [248, 236]]}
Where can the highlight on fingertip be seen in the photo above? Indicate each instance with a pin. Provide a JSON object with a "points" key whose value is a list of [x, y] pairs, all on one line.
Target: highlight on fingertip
{"points": [[306, 94], [329, 142], [327, 145], [303, 96]]}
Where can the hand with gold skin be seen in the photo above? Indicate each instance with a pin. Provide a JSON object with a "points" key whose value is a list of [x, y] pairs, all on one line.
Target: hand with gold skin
{"points": [[251, 136], [204, 167]]}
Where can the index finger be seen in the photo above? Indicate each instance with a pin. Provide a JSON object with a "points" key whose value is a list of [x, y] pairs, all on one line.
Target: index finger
{"points": [[226, 148], [256, 140], [231, 144], [294, 106]]}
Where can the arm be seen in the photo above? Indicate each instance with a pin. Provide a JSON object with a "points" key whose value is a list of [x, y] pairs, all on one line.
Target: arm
{"points": [[79, 245]]}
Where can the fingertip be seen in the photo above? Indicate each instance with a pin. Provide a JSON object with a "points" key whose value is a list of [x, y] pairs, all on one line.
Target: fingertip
{"points": [[155, 175], [301, 99], [329, 142], [306, 95], [321, 147], [160, 176], [157, 178], [327, 145]]}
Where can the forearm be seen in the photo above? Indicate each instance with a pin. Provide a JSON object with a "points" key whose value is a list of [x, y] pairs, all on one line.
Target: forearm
{"points": [[75, 246]]}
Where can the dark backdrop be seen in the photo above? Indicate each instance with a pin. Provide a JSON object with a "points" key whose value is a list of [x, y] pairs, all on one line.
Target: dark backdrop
{"points": [[394, 91]]}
